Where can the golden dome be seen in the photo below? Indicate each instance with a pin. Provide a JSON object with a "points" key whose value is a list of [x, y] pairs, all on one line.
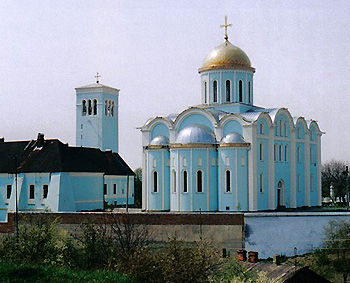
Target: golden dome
{"points": [[226, 56]]}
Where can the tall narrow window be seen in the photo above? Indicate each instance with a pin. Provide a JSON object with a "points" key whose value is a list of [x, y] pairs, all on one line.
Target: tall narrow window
{"points": [[228, 181], [261, 185], [184, 181], [155, 182], [298, 154], [106, 107], [286, 153], [31, 191], [45, 190], [285, 129], [84, 107], [228, 91], [95, 107], [199, 181], [240, 91], [298, 182], [112, 109], [90, 107], [311, 155], [280, 153], [109, 108], [261, 128], [105, 189], [215, 91], [205, 92], [281, 128], [174, 182], [261, 153], [275, 152], [114, 189], [8, 191], [249, 93]]}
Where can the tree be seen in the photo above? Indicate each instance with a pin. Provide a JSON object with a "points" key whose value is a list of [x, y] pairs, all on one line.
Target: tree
{"points": [[334, 174], [336, 247]]}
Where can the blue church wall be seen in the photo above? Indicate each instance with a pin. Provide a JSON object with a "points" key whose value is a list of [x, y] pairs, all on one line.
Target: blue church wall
{"points": [[159, 130], [300, 169], [262, 172], [232, 127], [234, 160], [262, 128], [211, 185], [157, 162], [313, 174], [227, 76], [196, 119], [282, 173], [299, 132]]}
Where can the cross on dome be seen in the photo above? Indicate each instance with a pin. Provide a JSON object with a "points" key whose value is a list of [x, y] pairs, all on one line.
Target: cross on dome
{"points": [[97, 77], [226, 25]]}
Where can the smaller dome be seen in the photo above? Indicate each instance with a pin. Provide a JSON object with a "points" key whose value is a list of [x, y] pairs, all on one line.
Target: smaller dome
{"points": [[160, 140], [196, 134], [233, 138]]}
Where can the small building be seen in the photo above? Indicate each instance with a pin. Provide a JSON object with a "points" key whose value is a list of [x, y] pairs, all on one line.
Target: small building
{"points": [[51, 175]]}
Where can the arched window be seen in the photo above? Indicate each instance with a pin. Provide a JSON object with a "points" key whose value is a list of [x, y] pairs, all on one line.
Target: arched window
{"points": [[205, 92], [311, 155], [106, 107], [173, 185], [90, 107], [109, 108], [215, 91], [228, 181], [84, 108], [261, 125], [285, 129], [228, 91], [112, 109], [95, 107], [249, 93], [199, 181], [298, 154], [298, 132], [155, 182], [240, 91], [45, 190], [281, 128], [275, 152], [184, 181], [286, 153], [261, 152]]}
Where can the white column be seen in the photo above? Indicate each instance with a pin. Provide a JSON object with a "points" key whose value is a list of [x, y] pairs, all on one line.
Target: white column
{"points": [[271, 168], [249, 132], [319, 184], [307, 168], [190, 177], [144, 181], [293, 199]]}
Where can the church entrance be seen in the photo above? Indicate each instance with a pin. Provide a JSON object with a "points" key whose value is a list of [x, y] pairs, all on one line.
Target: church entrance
{"points": [[280, 194]]}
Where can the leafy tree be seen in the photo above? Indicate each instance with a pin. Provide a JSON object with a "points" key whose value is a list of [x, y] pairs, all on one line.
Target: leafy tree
{"points": [[336, 247], [334, 173]]}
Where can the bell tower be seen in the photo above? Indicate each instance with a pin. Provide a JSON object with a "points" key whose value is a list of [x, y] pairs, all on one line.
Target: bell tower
{"points": [[97, 116]]}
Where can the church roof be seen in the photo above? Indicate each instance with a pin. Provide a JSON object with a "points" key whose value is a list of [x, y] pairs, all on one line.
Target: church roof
{"points": [[55, 156]]}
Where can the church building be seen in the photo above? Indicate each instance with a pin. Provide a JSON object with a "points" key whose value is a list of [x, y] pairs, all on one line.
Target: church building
{"points": [[37, 175], [228, 154]]}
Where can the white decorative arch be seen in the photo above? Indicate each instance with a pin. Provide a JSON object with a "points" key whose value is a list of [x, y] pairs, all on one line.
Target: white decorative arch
{"points": [[192, 111], [151, 123], [315, 124], [282, 111]]}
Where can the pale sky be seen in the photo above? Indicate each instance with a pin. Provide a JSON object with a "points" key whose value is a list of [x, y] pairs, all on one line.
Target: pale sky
{"points": [[151, 51]]}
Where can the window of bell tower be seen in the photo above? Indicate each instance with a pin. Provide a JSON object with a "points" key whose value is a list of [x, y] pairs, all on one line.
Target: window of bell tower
{"points": [[95, 107], [215, 91], [90, 107], [249, 93], [84, 108], [240, 91], [205, 92], [228, 91]]}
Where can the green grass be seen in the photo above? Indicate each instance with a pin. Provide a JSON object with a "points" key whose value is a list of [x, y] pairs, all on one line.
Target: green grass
{"points": [[11, 273]]}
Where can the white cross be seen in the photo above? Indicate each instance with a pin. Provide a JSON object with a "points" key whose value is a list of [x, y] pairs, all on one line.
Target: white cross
{"points": [[226, 25], [97, 77]]}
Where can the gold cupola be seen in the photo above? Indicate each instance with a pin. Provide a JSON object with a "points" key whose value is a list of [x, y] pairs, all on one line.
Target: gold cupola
{"points": [[226, 56]]}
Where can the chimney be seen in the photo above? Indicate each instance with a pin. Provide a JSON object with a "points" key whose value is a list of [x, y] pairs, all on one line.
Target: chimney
{"points": [[40, 140], [253, 257], [277, 259], [241, 255]]}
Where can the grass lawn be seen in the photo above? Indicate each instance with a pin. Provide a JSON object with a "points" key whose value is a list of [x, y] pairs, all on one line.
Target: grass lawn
{"points": [[11, 273]]}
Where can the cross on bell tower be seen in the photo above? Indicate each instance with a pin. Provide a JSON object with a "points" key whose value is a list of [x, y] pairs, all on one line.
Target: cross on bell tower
{"points": [[226, 25], [97, 77]]}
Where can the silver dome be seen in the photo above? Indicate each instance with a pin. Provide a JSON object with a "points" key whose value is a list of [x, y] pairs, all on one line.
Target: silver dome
{"points": [[233, 138], [160, 140], [196, 134]]}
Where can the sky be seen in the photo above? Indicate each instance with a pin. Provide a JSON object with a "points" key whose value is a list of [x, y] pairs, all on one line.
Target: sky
{"points": [[151, 51]]}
